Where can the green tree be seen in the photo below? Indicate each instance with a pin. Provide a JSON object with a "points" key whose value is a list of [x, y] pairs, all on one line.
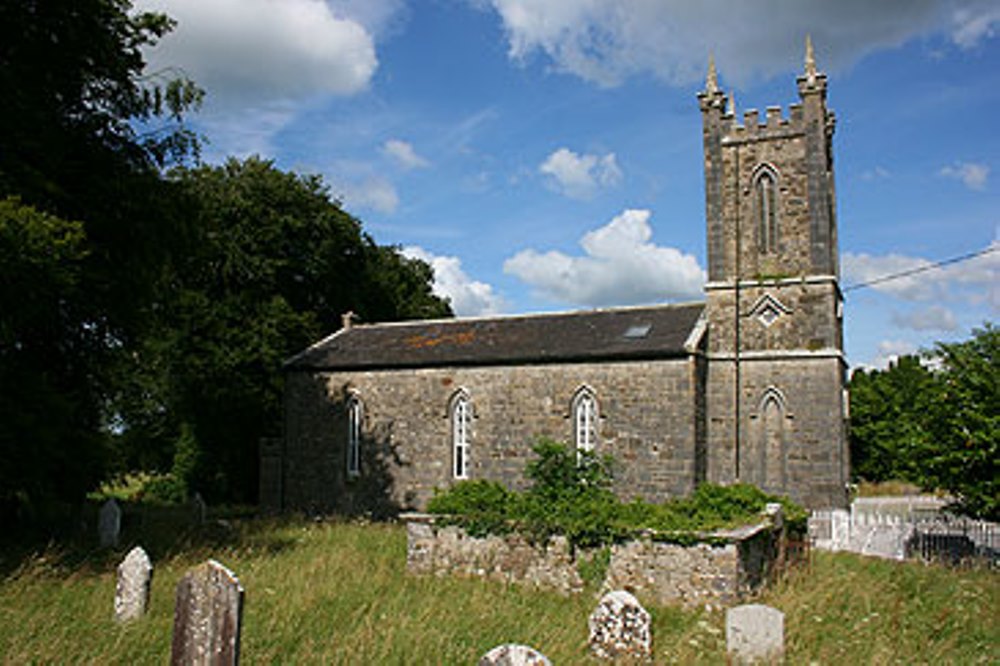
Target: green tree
{"points": [[274, 264], [963, 450], [75, 89], [939, 428], [888, 408]]}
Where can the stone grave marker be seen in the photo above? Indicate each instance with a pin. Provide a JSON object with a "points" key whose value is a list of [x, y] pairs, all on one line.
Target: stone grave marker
{"points": [[198, 508], [135, 574], [208, 616], [619, 628], [109, 524], [755, 634], [512, 654]]}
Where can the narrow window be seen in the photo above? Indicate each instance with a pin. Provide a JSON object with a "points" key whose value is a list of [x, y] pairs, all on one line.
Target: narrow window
{"points": [[461, 422], [585, 420], [355, 417], [767, 211]]}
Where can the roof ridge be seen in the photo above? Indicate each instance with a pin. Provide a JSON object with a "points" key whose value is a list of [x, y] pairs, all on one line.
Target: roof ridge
{"points": [[526, 315]]}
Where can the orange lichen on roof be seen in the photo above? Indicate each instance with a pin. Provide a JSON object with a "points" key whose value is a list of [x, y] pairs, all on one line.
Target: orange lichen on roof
{"points": [[427, 341]]}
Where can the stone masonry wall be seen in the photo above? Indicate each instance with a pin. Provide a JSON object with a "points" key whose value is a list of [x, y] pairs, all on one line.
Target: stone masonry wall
{"points": [[648, 413], [703, 574]]}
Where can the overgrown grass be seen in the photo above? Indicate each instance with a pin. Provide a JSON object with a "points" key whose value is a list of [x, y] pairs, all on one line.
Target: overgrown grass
{"points": [[337, 593]]}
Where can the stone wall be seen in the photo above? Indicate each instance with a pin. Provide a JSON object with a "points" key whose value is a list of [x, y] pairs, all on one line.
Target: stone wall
{"points": [[649, 416], [720, 571]]}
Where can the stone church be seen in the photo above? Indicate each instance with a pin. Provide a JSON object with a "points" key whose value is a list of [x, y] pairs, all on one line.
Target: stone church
{"points": [[747, 385]]}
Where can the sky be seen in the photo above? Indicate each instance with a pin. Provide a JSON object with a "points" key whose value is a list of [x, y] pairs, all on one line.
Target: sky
{"points": [[546, 155]]}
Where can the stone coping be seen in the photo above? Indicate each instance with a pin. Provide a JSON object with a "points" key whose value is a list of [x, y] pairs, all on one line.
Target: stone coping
{"points": [[726, 535]]}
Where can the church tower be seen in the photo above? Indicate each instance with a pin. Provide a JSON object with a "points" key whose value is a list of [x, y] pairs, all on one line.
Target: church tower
{"points": [[776, 373]]}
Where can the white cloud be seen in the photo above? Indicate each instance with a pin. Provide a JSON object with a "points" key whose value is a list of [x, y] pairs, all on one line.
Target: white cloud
{"points": [[889, 351], [973, 175], [620, 266], [975, 280], [402, 153], [606, 41], [973, 25], [251, 51], [581, 176], [932, 318], [468, 297], [370, 192]]}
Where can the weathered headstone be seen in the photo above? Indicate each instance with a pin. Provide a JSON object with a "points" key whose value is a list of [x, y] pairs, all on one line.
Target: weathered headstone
{"points": [[755, 633], [109, 524], [512, 654], [135, 574], [207, 617], [619, 627], [198, 508]]}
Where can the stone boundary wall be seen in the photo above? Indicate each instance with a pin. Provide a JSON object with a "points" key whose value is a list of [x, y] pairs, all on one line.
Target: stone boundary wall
{"points": [[721, 571]]}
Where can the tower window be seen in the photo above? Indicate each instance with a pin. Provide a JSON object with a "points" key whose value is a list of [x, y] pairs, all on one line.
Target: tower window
{"points": [[461, 422], [766, 188], [355, 418], [585, 420]]}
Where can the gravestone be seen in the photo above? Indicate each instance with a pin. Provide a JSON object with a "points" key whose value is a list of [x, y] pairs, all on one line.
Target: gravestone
{"points": [[754, 634], [109, 524], [198, 508], [207, 617], [619, 628], [512, 654], [135, 574]]}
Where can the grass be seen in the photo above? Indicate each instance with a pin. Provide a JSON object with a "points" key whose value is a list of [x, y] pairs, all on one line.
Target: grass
{"points": [[336, 593]]}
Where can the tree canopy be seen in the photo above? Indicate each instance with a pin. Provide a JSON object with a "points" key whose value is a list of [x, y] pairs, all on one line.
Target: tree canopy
{"points": [[144, 313], [937, 425]]}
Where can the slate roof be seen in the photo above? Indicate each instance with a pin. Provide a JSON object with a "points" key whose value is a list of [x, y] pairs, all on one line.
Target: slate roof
{"points": [[632, 333]]}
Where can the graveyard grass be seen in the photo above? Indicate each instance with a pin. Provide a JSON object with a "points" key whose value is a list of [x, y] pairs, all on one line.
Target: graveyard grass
{"points": [[337, 593]]}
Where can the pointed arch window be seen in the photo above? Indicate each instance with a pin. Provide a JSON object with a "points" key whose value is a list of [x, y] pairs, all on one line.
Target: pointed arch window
{"points": [[461, 431], [585, 420], [355, 422], [766, 194]]}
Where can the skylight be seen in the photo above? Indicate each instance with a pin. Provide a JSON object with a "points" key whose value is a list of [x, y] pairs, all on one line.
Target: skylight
{"points": [[638, 331]]}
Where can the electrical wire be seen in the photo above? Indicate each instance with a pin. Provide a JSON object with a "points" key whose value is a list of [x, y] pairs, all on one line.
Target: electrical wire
{"points": [[921, 269]]}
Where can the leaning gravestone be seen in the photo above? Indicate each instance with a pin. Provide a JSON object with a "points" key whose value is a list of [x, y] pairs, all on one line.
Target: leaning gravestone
{"points": [[513, 654], [755, 633], [619, 627], [109, 524], [135, 574], [207, 617]]}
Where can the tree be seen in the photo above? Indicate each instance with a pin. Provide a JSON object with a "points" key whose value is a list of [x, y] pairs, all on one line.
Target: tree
{"points": [[887, 414], [939, 428], [274, 265], [962, 454], [74, 90]]}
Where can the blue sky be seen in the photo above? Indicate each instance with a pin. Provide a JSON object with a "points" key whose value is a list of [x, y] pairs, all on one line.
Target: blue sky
{"points": [[546, 154]]}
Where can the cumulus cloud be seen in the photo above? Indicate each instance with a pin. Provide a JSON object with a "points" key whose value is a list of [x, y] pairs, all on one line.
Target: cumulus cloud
{"points": [[975, 281], [402, 153], [620, 265], [370, 192], [580, 176], [606, 41], [252, 51], [932, 318], [973, 175], [468, 297]]}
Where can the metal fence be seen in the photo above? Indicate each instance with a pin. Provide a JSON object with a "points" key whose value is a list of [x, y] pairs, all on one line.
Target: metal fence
{"points": [[955, 540]]}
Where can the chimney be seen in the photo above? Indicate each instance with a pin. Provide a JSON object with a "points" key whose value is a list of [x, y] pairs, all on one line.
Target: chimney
{"points": [[347, 320]]}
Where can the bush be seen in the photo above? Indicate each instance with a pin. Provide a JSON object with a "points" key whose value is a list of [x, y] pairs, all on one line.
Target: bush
{"points": [[571, 495]]}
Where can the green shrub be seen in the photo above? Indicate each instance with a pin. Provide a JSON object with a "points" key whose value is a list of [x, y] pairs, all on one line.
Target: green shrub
{"points": [[481, 507], [570, 495]]}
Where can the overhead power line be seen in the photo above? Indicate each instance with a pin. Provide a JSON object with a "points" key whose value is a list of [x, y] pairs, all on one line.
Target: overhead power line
{"points": [[922, 269]]}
